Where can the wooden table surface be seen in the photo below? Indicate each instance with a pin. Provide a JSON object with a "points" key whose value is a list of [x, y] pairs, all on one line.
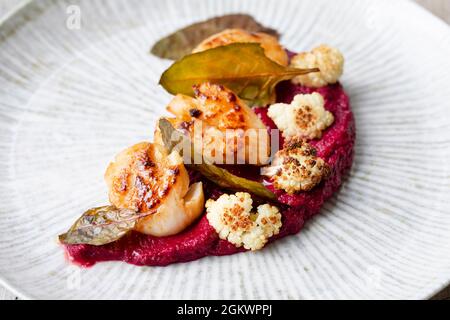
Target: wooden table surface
{"points": [[441, 8]]}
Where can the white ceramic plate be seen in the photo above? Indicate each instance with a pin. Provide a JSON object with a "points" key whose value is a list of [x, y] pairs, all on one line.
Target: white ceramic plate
{"points": [[71, 98]]}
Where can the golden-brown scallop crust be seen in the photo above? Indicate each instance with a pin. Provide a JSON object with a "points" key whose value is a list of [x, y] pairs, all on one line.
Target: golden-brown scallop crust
{"points": [[214, 110], [140, 179], [270, 44]]}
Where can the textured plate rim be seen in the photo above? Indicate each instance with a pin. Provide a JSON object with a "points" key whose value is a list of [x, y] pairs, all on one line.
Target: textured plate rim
{"points": [[11, 13], [446, 27], [444, 282], [3, 19]]}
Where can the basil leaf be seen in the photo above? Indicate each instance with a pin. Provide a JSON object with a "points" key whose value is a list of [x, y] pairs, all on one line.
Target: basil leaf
{"points": [[183, 41], [99, 226], [222, 177], [241, 67]]}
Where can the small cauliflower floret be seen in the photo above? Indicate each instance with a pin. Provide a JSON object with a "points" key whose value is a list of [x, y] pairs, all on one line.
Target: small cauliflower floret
{"points": [[296, 168], [232, 218], [305, 117], [270, 44], [329, 60]]}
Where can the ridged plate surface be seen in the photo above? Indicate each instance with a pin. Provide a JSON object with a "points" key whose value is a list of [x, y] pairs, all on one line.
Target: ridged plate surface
{"points": [[71, 98]]}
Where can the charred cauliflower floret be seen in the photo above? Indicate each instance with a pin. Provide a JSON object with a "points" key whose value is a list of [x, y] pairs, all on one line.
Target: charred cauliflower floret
{"points": [[270, 44], [296, 168], [232, 218], [305, 117], [329, 60]]}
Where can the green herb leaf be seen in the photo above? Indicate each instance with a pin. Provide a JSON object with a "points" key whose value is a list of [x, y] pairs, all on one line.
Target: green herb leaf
{"points": [[227, 180], [102, 225], [183, 41], [242, 67], [222, 177]]}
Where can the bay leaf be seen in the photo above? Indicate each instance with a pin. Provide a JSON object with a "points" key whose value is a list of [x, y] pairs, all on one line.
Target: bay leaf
{"points": [[183, 41], [102, 225], [222, 177], [227, 180], [241, 67]]}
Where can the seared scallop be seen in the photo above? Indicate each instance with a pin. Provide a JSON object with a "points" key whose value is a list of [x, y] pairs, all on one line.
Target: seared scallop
{"points": [[227, 130], [146, 178], [270, 44]]}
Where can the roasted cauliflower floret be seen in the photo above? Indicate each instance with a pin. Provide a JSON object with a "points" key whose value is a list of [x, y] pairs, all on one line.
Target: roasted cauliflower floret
{"points": [[232, 218], [296, 168], [329, 60], [305, 117], [145, 178], [222, 124], [270, 44]]}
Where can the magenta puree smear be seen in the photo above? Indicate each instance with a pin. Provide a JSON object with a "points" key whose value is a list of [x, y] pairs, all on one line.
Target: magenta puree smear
{"points": [[200, 240]]}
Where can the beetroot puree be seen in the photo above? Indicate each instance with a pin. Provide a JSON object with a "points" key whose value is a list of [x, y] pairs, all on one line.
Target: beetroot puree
{"points": [[200, 240]]}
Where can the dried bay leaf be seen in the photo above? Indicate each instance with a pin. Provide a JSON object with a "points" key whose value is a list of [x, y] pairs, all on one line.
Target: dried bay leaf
{"points": [[103, 225], [227, 180], [183, 41], [241, 67]]}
